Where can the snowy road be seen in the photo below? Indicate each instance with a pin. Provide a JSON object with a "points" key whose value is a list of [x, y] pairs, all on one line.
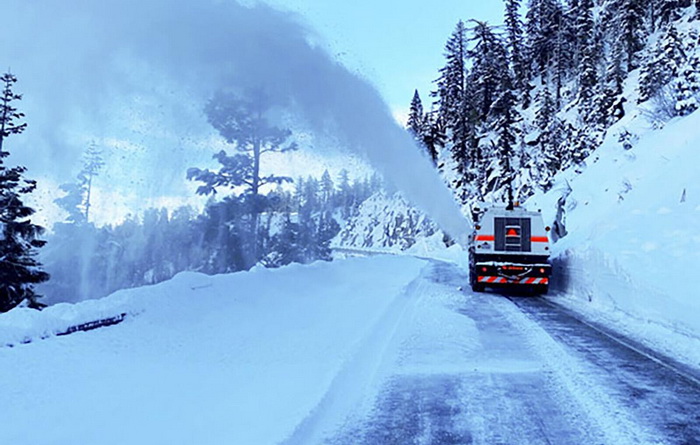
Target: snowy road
{"points": [[381, 350], [536, 376]]}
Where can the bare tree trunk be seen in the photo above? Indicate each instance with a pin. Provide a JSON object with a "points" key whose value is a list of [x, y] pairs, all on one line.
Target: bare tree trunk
{"points": [[87, 200], [255, 193]]}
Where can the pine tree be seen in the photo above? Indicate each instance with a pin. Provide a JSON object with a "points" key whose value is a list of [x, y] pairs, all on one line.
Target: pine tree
{"points": [[608, 105], [588, 74], [345, 198], [454, 106], [668, 11], [424, 128], [243, 121], [545, 108], [514, 28], [490, 75], [624, 27], [686, 88], [19, 268], [92, 164], [505, 128], [664, 64], [570, 33], [415, 122], [327, 190], [433, 135], [451, 84], [78, 198], [543, 23]]}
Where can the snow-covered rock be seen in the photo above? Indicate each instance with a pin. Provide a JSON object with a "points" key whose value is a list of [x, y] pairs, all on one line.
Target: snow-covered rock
{"points": [[385, 222]]}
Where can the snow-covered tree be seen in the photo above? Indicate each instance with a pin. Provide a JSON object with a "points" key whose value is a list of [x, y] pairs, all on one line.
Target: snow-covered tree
{"points": [[451, 84], [588, 70], [327, 189], [686, 87], [415, 121], [667, 10], [624, 27], [425, 128], [434, 136], [516, 50], [77, 200], [20, 271], [543, 23], [490, 74], [663, 64], [502, 177]]}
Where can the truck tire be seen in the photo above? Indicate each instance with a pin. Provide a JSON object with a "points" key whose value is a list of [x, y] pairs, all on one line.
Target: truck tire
{"points": [[540, 289], [478, 287]]}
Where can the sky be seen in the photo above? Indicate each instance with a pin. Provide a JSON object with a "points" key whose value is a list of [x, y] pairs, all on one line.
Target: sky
{"points": [[398, 48], [133, 77]]}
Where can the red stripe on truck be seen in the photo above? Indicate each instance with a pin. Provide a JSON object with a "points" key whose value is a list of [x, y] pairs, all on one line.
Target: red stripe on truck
{"points": [[539, 239], [485, 238]]}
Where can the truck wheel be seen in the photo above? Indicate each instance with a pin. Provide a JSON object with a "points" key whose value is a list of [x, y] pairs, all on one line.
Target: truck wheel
{"points": [[478, 287], [541, 289]]}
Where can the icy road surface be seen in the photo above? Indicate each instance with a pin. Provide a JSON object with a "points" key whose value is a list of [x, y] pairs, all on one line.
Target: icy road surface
{"points": [[383, 350], [530, 373]]}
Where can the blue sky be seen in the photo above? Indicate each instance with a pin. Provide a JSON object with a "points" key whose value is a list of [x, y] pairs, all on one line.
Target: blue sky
{"points": [[398, 46]]}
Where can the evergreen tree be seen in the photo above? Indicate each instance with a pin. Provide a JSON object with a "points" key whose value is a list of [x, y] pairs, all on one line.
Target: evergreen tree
{"points": [[243, 121], [668, 10], [344, 195], [424, 128], [545, 108], [19, 268], [543, 23], [92, 164], [455, 110], [514, 28], [503, 177], [663, 65], [416, 117], [588, 74], [327, 190], [452, 81], [433, 135], [624, 20], [570, 32], [78, 198], [490, 75], [686, 88]]}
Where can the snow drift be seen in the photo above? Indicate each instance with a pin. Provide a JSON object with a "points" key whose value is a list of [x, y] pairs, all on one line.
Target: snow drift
{"points": [[632, 218], [240, 358]]}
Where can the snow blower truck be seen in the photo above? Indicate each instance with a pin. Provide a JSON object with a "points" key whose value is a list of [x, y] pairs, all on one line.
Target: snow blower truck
{"points": [[509, 249]]}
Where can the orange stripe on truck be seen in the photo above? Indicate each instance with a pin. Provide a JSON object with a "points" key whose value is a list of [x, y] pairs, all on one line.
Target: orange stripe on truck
{"points": [[539, 239], [485, 238]]}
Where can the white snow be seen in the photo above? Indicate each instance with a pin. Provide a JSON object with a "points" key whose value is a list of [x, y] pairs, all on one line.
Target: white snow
{"points": [[241, 358], [632, 251]]}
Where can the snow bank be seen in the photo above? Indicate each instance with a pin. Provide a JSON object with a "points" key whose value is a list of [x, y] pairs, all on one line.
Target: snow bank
{"points": [[240, 358], [633, 244]]}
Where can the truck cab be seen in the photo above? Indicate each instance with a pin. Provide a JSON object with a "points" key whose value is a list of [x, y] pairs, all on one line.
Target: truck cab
{"points": [[509, 248]]}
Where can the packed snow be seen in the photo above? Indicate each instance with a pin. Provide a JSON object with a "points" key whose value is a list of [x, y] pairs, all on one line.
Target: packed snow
{"points": [[240, 358]]}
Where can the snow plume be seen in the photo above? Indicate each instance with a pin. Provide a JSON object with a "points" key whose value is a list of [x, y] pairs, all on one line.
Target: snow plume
{"points": [[96, 54]]}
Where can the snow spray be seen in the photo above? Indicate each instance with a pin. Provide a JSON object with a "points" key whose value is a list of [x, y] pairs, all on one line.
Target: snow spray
{"points": [[208, 45]]}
